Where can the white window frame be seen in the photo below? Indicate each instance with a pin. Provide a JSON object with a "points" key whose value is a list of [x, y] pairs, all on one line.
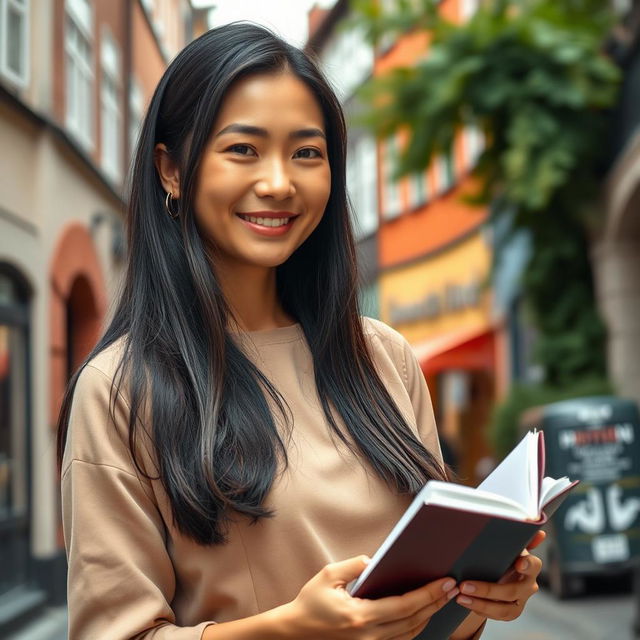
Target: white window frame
{"points": [[418, 189], [80, 109], [392, 202], [446, 171], [474, 144], [110, 107], [368, 184], [388, 40], [136, 114], [361, 182], [21, 7]]}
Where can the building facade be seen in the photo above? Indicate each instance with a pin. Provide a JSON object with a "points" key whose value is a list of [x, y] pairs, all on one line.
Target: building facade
{"points": [[435, 255], [75, 77], [436, 284], [332, 43], [425, 254]]}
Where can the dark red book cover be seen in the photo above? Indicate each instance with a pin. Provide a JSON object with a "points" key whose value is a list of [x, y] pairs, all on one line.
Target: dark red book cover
{"points": [[441, 541]]}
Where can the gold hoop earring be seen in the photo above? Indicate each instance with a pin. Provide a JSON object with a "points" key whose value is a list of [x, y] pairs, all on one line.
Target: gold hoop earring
{"points": [[167, 205]]}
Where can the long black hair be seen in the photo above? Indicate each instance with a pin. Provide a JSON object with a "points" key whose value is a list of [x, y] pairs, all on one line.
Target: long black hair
{"points": [[217, 445]]}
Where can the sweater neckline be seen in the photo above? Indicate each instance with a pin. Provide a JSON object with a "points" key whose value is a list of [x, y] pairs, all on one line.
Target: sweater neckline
{"points": [[290, 333]]}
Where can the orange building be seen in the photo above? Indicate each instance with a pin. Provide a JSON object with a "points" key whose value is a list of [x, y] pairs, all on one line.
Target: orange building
{"points": [[435, 261]]}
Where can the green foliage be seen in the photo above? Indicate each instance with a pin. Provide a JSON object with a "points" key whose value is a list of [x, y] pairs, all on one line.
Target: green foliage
{"points": [[530, 74], [503, 430], [559, 290]]}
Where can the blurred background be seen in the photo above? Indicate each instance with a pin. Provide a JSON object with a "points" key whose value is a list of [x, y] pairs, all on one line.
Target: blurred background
{"points": [[494, 176]]}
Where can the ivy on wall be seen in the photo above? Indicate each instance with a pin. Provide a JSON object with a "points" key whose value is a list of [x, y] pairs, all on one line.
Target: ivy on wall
{"points": [[531, 75]]}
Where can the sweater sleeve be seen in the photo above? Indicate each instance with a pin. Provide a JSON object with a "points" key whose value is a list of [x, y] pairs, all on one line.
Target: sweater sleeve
{"points": [[121, 580], [421, 402]]}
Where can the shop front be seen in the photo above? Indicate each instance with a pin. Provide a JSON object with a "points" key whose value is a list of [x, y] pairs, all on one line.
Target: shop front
{"points": [[443, 304]]}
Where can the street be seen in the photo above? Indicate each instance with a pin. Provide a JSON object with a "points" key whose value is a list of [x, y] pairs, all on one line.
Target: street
{"points": [[604, 613]]}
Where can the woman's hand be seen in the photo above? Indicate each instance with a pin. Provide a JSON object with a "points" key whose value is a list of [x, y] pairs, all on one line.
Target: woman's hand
{"points": [[505, 599], [323, 610]]}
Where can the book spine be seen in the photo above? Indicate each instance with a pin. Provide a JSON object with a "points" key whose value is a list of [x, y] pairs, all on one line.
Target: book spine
{"points": [[487, 558]]}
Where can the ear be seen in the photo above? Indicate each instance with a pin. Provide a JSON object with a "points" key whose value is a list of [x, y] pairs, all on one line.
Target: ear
{"points": [[167, 170]]}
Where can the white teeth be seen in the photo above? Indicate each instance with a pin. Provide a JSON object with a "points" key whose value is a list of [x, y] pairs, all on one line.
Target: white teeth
{"points": [[266, 222]]}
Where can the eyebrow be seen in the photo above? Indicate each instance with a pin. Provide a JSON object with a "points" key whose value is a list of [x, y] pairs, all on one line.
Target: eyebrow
{"points": [[250, 130]]}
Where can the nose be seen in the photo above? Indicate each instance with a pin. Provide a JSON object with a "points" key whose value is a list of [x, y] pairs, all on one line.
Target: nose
{"points": [[275, 181]]}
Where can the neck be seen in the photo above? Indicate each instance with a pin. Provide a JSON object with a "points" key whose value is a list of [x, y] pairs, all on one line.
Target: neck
{"points": [[250, 292]]}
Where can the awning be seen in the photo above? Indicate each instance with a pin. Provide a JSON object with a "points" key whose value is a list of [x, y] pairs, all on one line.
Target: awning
{"points": [[463, 349]]}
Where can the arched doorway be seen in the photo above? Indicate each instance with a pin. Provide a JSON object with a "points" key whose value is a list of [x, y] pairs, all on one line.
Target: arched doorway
{"points": [[83, 323], [78, 307]]}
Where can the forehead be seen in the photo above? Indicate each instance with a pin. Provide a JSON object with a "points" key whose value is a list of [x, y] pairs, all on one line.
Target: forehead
{"points": [[270, 100]]}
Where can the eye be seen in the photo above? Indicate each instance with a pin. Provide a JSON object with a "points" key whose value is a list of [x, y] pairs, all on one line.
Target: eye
{"points": [[308, 153], [241, 149]]}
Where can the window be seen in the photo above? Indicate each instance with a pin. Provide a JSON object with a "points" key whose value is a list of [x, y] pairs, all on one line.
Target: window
{"points": [[136, 111], [14, 484], [390, 38], [79, 70], [418, 189], [110, 107], [14, 49], [165, 25], [348, 45], [361, 180], [391, 187], [446, 171], [474, 144]]}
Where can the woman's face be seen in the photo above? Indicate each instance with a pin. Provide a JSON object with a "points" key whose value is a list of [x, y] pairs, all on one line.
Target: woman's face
{"points": [[264, 178]]}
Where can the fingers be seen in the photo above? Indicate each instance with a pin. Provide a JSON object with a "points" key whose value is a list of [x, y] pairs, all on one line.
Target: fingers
{"points": [[527, 569], [537, 539], [412, 625], [341, 573], [427, 599], [504, 600], [494, 610]]}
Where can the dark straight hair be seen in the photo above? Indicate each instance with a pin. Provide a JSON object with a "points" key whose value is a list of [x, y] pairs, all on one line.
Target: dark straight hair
{"points": [[217, 445]]}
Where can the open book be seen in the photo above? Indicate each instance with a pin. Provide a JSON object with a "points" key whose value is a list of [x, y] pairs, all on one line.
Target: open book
{"points": [[465, 533]]}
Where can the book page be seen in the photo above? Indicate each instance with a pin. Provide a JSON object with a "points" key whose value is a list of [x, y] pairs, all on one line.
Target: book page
{"points": [[552, 488], [516, 477], [456, 496]]}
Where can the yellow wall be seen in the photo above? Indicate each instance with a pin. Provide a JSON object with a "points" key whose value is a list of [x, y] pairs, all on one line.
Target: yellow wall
{"points": [[465, 264]]}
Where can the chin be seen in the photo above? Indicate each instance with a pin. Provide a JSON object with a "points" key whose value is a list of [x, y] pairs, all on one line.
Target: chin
{"points": [[266, 261]]}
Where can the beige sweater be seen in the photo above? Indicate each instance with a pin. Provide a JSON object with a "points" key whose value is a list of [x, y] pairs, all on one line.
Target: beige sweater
{"points": [[133, 575]]}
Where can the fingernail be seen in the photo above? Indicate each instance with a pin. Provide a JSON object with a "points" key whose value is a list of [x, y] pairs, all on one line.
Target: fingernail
{"points": [[448, 585], [453, 594], [464, 600], [468, 588], [524, 565]]}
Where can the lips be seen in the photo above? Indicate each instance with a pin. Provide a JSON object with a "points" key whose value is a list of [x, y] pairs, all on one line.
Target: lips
{"points": [[268, 223], [265, 222]]}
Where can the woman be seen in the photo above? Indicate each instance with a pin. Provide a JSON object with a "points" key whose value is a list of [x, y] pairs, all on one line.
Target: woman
{"points": [[240, 435]]}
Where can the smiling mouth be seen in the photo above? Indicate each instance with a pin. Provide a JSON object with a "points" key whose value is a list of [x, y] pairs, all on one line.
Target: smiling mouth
{"points": [[267, 222]]}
